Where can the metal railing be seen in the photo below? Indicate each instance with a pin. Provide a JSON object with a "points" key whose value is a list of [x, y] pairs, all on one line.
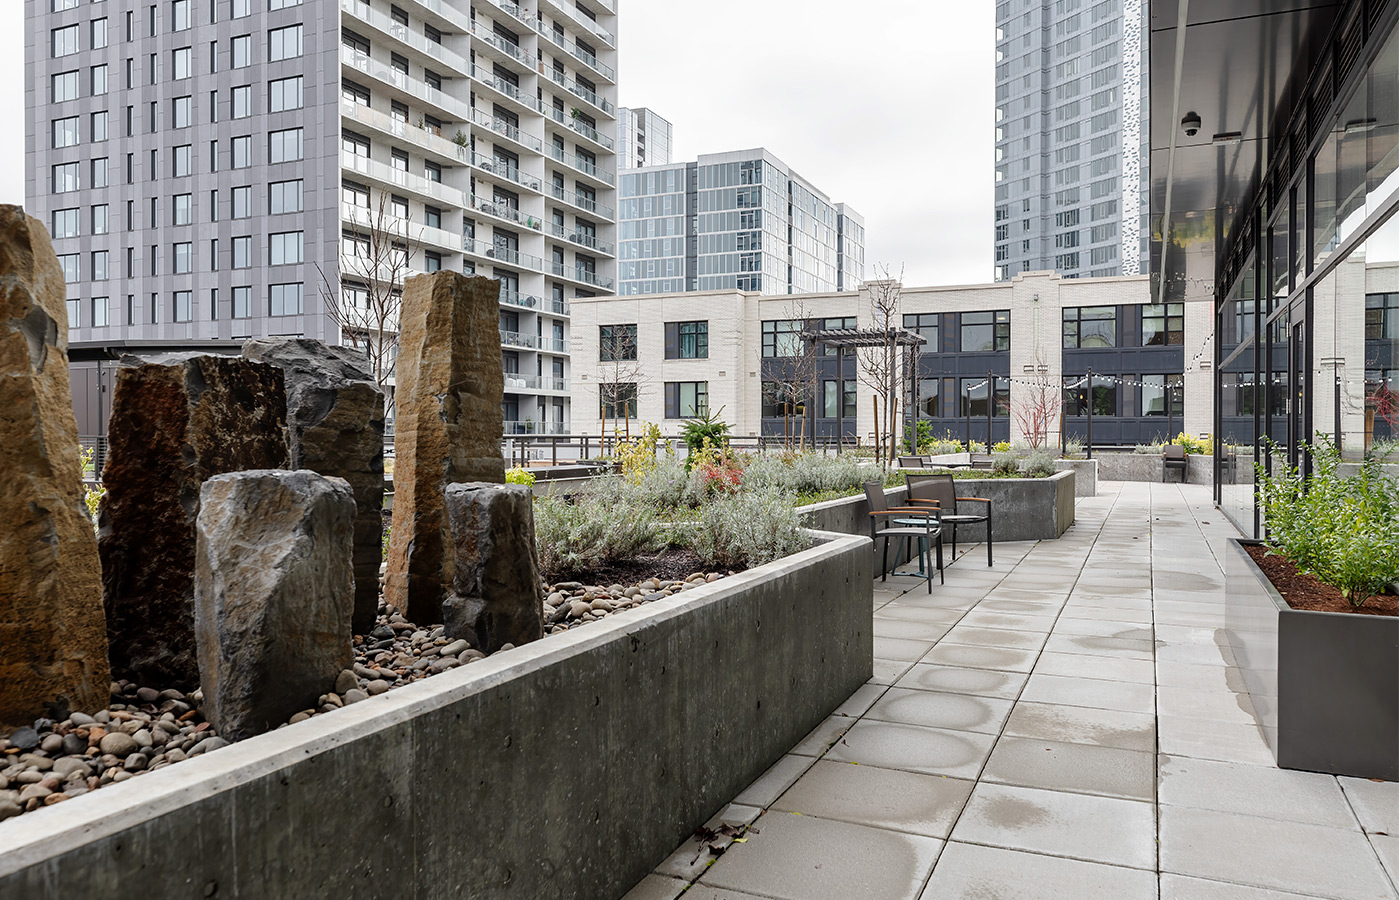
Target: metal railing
{"points": [[591, 26], [582, 238], [507, 255], [501, 210], [362, 62], [584, 203], [578, 127], [388, 124], [517, 382], [508, 48], [402, 33], [502, 127], [588, 168], [506, 170], [584, 275], [506, 88], [574, 50], [578, 90]]}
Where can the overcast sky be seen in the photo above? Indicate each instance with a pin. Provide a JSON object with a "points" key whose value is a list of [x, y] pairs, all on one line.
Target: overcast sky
{"points": [[887, 108]]}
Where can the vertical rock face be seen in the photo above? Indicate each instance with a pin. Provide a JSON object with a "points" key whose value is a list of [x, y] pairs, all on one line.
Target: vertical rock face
{"points": [[335, 426], [177, 420], [273, 594], [53, 647], [495, 596], [447, 428]]}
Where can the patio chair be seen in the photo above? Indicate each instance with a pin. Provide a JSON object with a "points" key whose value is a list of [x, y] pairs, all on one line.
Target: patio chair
{"points": [[1174, 457], [939, 491], [911, 462], [905, 523]]}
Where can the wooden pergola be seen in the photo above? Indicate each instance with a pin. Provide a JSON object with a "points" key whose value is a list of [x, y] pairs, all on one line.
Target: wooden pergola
{"points": [[843, 339]]}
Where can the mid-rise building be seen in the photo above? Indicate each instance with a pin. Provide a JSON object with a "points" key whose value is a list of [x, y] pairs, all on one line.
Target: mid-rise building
{"points": [[643, 138], [741, 220], [1071, 143], [214, 171]]}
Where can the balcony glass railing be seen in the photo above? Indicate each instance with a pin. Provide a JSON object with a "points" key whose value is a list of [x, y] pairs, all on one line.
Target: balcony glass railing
{"points": [[583, 275], [585, 166], [558, 307], [502, 127], [582, 238], [399, 228], [579, 127], [524, 301], [401, 178], [500, 254], [577, 52], [530, 426], [404, 34], [577, 89], [506, 170], [582, 202], [583, 20], [505, 87], [492, 39], [513, 10], [516, 339], [515, 381], [400, 129], [362, 62], [502, 210]]}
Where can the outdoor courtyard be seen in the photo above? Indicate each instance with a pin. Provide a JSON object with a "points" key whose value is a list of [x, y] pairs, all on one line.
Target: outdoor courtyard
{"points": [[1066, 724]]}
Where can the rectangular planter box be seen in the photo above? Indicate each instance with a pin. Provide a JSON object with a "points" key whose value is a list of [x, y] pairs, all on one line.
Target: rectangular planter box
{"points": [[851, 515], [1148, 467], [1086, 475], [1023, 509], [1323, 685], [565, 768]]}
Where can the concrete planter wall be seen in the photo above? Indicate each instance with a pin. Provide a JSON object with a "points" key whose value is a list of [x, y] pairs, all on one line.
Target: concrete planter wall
{"points": [[1023, 509], [1148, 467], [851, 515], [565, 768], [1086, 475], [1322, 684]]}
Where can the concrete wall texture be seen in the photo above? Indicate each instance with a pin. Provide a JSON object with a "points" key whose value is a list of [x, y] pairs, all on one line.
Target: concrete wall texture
{"points": [[567, 768]]}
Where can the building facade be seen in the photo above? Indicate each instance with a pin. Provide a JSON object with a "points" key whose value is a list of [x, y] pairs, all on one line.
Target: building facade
{"points": [[1034, 339], [643, 138], [733, 221], [1071, 147], [214, 171]]}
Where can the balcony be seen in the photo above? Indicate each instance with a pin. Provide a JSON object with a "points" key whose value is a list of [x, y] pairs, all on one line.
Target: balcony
{"points": [[503, 48], [504, 211], [530, 426], [506, 171], [502, 127], [524, 301], [590, 169], [582, 238], [582, 275], [450, 106], [514, 11], [583, 56], [502, 255], [405, 229], [506, 89], [584, 203], [386, 174], [523, 341], [578, 127], [518, 382], [578, 90], [384, 24], [428, 141], [577, 18]]}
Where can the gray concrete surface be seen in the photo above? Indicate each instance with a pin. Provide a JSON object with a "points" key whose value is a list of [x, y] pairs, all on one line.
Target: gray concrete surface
{"points": [[1121, 466], [1086, 475], [565, 768]]}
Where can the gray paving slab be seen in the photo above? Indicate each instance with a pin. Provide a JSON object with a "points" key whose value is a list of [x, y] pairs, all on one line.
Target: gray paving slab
{"points": [[808, 858], [1100, 668], [973, 872], [1181, 887], [1213, 739], [1388, 853], [888, 671], [859, 702], [1083, 725], [1270, 853], [819, 739], [770, 785], [914, 748], [1120, 695], [1113, 628], [1093, 645], [900, 649], [1376, 803], [959, 680], [1097, 829], [703, 892], [885, 798], [1082, 768], [1224, 705], [1254, 790], [958, 712], [692, 857], [903, 612], [994, 637], [1199, 677], [983, 618], [904, 629], [657, 887], [968, 656]]}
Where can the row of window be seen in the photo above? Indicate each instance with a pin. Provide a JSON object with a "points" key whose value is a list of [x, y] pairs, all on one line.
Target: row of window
{"points": [[282, 197], [683, 340], [1086, 327], [283, 146], [283, 249], [282, 300], [63, 40]]}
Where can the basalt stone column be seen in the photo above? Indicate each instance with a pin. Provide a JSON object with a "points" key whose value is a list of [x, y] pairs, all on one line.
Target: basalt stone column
{"points": [[177, 420], [447, 428], [53, 646], [273, 595], [495, 598], [335, 426]]}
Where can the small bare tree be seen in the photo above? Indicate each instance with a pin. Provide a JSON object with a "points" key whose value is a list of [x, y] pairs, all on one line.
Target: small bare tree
{"points": [[1038, 407], [792, 379], [879, 368], [619, 375], [376, 254]]}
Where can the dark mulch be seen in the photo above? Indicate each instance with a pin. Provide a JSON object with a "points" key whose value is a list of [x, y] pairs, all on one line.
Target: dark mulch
{"points": [[672, 565], [1303, 591]]}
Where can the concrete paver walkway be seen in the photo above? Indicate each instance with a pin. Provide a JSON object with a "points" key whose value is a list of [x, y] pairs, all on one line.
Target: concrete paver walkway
{"points": [[1065, 724]]}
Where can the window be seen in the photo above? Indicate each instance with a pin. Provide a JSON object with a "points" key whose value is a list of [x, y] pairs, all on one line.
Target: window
{"points": [[68, 262], [242, 152], [241, 49], [242, 202], [1077, 393], [242, 302], [848, 406], [242, 252], [928, 405], [100, 220], [282, 4], [1382, 316], [353, 93], [687, 399], [284, 197], [1154, 394], [242, 102], [65, 223], [182, 307], [1162, 326], [182, 255], [285, 300], [242, 8], [99, 172], [617, 343], [99, 312], [986, 331], [687, 340], [214, 255], [180, 112], [432, 216], [182, 209], [284, 248], [74, 309], [284, 43], [617, 401], [65, 131], [181, 161], [64, 177], [1089, 326], [778, 401], [179, 15], [64, 86], [97, 78], [926, 326], [432, 171], [64, 40], [97, 126], [61, 5], [432, 262], [284, 146], [972, 397], [180, 63], [284, 94], [782, 338]]}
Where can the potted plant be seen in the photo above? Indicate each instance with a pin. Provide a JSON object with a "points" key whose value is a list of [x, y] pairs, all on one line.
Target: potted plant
{"points": [[1311, 616]]}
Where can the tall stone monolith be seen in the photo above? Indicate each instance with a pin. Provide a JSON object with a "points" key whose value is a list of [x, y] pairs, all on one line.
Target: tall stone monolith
{"points": [[177, 419], [495, 596], [53, 647], [447, 427], [273, 594], [335, 426]]}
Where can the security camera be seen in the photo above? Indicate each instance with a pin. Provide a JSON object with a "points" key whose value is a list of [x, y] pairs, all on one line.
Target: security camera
{"points": [[1191, 124]]}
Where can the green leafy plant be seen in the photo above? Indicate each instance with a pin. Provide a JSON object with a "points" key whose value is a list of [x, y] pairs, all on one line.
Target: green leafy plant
{"points": [[636, 456], [1001, 447], [697, 432], [1005, 463], [1202, 445], [1040, 464], [1073, 448], [1339, 528], [923, 436], [602, 526], [519, 475]]}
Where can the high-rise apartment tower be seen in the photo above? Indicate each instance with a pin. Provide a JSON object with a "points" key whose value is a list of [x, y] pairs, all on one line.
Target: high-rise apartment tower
{"points": [[643, 138]]}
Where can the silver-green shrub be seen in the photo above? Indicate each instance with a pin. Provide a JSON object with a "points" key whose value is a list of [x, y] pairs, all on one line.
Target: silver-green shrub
{"points": [[1040, 464], [1006, 463], [603, 525], [748, 529]]}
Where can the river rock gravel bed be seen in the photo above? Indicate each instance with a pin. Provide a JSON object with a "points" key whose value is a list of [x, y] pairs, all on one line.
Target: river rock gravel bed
{"points": [[146, 729]]}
